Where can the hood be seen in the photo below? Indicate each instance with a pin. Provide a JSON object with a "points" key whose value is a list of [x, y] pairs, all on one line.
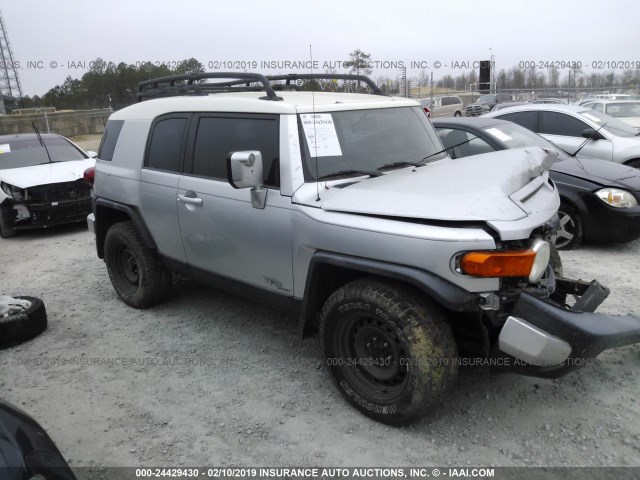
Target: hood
{"points": [[47, 173], [602, 172], [474, 188]]}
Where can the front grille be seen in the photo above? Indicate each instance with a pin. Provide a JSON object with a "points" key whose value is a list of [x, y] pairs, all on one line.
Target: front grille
{"points": [[69, 212], [58, 192], [473, 110]]}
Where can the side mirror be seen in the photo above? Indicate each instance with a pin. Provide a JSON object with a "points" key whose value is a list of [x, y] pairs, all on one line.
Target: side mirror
{"points": [[92, 154], [591, 134], [244, 170]]}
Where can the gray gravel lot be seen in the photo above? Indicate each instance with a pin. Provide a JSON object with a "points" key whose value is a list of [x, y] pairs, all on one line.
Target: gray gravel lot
{"points": [[208, 378]]}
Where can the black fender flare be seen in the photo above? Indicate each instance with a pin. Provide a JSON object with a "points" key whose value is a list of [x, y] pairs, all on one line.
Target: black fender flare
{"points": [[103, 222], [448, 295]]}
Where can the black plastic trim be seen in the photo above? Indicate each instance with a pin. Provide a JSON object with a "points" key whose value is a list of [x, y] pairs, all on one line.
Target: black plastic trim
{"points": [[588, 333], [450, 296], [101, 226]]}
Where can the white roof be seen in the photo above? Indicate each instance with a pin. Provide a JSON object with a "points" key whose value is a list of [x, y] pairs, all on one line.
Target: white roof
{"points": [[250, 102]]}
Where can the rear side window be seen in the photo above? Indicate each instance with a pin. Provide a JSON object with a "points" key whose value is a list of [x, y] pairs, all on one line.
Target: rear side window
{"points": [[217, 137], [109, 139], [554, 123], [165, 146], [528, 120]]}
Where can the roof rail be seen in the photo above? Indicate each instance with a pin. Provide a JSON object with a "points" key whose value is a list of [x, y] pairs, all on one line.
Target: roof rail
{"points": [[189, 83]]}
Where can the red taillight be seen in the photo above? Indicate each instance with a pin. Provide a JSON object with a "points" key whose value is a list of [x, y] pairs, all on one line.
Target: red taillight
{"points": [[427, 111], [90, 175]]}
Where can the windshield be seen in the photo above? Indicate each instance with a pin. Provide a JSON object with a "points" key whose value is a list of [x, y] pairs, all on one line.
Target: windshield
{"points": [[486, 99], [365, 140], [516, 136], [614, 125], [28, 152], [626, 109]]}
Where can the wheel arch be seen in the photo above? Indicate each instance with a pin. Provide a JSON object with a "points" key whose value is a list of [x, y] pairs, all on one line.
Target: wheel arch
{"points": [[329, 271], [108, 213]]}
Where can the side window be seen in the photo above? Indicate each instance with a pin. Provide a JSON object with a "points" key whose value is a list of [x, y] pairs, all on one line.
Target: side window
{"points": [[454, 141], [446, 101], [216, 137], [109, 139], [597, 106], [554, 123], [526, 119], [456, 101], [165, 146]]}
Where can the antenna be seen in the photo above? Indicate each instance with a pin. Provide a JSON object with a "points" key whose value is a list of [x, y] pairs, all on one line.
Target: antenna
{"points": [[9, 80], [315, 135]]}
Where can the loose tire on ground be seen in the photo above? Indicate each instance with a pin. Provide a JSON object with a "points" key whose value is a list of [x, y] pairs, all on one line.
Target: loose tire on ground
{"points": [[135, 271], [6, 225], [23, 326], [570, 234], [388, 349]]}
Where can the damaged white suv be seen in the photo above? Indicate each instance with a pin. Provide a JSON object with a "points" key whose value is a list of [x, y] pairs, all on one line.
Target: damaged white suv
{"points": [[344, 209]]}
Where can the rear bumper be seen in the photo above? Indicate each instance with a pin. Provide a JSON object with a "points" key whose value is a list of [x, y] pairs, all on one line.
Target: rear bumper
{"points": [[543, 339]]}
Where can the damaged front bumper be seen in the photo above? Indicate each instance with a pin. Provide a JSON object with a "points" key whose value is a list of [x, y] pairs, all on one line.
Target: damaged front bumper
{"points": [[50, 205], [547, 338]]}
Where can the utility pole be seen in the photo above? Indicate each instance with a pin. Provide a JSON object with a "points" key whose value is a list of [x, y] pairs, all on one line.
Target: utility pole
{"points": [[9, 80]]}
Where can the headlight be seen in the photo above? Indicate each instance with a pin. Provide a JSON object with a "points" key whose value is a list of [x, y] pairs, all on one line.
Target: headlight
{"points": [[543, 252], [12, 192], [617, 197]]}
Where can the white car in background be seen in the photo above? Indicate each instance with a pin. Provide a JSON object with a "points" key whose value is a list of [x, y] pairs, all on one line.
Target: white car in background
{"points": [[569, 126], [41, 182], [626, 110]]}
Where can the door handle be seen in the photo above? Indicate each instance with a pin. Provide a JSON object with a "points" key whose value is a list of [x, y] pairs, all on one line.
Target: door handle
{"points": [[190, 198]]}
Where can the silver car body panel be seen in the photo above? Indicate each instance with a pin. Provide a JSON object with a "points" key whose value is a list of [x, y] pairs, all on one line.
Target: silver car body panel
{"points": [[466, 189], [531, 344]]}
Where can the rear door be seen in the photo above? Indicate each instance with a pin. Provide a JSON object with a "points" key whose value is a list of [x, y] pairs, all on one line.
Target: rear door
{"points": [[224, 236]]}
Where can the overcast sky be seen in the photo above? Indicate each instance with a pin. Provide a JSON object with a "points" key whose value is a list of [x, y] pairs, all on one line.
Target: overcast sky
{"points": [[52, 34]]}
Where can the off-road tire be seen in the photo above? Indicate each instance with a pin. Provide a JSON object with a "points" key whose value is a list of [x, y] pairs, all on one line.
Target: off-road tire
{"points": [[135, 271], [571, 222], [556, 262], [23, 326], [6, 228], [374, 319]]}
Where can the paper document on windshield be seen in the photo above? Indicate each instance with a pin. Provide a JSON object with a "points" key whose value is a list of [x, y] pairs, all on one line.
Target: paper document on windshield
{"points": [[321, 138], [5, 148]]}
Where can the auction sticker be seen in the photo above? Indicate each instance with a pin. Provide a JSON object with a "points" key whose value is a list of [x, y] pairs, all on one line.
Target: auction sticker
{"points": [[321, 135]]}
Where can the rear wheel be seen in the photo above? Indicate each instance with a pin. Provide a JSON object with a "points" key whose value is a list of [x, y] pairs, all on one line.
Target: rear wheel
{"points": [[6, 224], [388, 349], [135, 271], [457, 114], [570, 233]]}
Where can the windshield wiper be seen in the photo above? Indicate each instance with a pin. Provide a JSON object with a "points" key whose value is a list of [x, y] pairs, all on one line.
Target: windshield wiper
{"points": [[33, 124], [398, 164], [340, 173]]}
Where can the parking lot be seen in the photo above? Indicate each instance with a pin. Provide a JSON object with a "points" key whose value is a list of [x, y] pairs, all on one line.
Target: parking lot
{"points": [[208, 378]]}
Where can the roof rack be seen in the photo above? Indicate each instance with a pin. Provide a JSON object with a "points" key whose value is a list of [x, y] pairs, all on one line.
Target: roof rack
{"points": [[189, 84], [328, 76]]}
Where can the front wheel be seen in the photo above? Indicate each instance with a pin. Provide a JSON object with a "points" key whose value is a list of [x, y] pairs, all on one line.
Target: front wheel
{"points": [[388, 349], [6, 224], [457, 114], [137, 275], [570, 233]]}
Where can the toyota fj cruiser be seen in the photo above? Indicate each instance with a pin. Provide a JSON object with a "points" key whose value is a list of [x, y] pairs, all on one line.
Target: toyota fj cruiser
{"points": [[345, 209]]}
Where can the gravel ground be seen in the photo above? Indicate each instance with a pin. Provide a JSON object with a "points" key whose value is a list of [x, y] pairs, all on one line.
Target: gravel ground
{"points": [[208, 378]]}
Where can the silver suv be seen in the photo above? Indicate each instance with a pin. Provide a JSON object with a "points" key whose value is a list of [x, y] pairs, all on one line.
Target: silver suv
{"points": [[345, 209]]}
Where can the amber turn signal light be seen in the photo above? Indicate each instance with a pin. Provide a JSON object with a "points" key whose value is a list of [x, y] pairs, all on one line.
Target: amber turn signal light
{"points": [[515, 263]]}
